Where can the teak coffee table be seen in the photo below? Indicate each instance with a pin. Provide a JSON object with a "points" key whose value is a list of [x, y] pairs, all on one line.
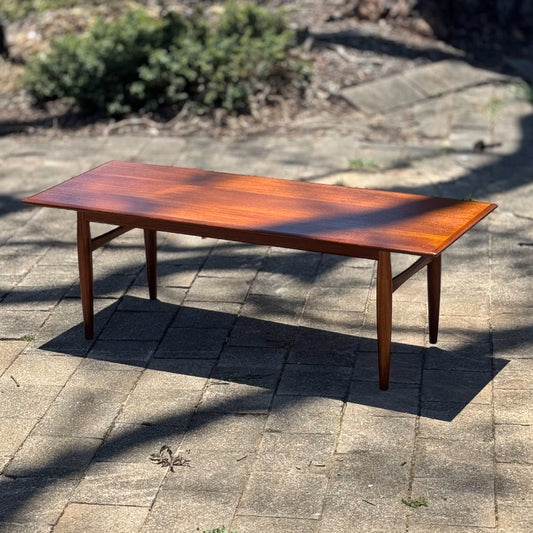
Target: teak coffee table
{"points": [[290, 214]]}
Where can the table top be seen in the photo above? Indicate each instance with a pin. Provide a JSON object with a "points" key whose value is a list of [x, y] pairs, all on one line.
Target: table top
{"points": [[233, 205]]}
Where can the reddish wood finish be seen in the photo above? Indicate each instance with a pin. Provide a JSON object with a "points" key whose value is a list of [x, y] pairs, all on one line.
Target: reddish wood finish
{"points": [[150, 247], [290, 214], [434, 281], [331, 219], [85, 265], [384, 317]]}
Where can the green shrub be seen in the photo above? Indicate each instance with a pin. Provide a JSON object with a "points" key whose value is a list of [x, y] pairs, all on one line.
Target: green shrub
{"points": [[144, 62], [95, 71]]}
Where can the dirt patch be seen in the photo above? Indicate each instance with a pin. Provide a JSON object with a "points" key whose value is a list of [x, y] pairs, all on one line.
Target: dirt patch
{"points": [[345, 50]]}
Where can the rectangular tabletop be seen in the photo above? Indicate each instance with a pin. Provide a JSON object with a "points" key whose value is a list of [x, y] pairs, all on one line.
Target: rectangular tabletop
{"points": [[292, 214]]}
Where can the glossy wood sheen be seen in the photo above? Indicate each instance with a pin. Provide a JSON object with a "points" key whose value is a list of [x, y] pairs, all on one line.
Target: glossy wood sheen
{"points": [[238, 207], [290, 214]]}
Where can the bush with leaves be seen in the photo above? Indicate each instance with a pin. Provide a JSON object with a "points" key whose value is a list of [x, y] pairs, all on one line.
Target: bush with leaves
{"points": [[145, 62]]}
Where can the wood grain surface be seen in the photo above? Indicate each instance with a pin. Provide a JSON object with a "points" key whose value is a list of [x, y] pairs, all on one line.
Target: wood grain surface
{"points": [[279, 212]]}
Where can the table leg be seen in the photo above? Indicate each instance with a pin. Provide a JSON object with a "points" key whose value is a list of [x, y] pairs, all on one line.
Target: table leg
{"points": [[384, 317], [434, 285], [85, 265], [150, 248]]}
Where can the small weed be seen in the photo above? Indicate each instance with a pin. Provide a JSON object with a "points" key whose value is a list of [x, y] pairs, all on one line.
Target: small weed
{"points": [[27, 338], [166, 458], [446, 149], [363, 164], [494, 106], [415, 503], [222, 529], [522, 91]]}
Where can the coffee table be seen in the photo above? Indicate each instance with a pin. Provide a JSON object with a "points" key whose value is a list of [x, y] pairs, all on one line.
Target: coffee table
{"points": [[313, 217]]}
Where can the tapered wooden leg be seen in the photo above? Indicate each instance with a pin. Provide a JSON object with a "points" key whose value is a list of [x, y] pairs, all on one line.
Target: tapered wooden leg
{"points": [[150, 248], [434, 284], [384, 317], [85, 265]]}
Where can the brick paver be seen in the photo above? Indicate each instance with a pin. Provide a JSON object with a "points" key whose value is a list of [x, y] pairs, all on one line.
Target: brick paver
{"points": [[257, 366]]}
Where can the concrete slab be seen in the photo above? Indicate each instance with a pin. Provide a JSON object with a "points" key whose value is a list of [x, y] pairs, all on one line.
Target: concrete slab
{"points": [[384, 95]]}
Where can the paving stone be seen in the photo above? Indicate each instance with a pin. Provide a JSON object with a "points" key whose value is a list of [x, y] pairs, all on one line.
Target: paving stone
{"points": [[123, 352], [361, 431], [63, 330], [294, 264], [295, 453], [173, 376], [281, 285], [13, 432], [112, 483], [218, 289], [249, 357], [383, 95], [460, 500], [115, 376], [171, 274], [210, 315], [156, 408], [210, 471], [334, 298], [516, 375], [456, 386], [448, 75], [513, 443], [45, 456], [305, 414], [454, 421], [18, 265], [225, 263], [404, 368], [23, 528], [9, 351], [98, 518], [515, 519], [400, 400], [459, 356], [81, 412], [181, 511], [182, 341], [168, 298], [366, 487], [468, 329], [252, 332], [513, 406], [30, 501], [26, 401], [446, 459], [136, 326], [21, 323], [325, 320], [224, 432], [308, 380], [318, 347], [37, 369], [134, 443], [514, 484], [437, 528], [252, 524], [271, 308], [283, 495], [232, 390]]}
